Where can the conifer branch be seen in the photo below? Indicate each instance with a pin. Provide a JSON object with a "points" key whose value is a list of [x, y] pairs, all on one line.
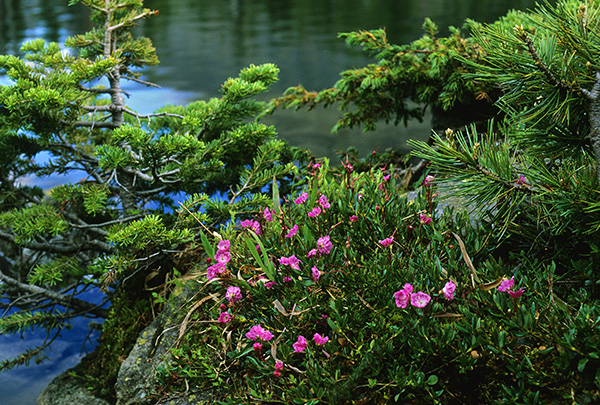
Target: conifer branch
{"points": [[93, 89], [53, 247], [140, 81], [66, 301], [523, 36]]}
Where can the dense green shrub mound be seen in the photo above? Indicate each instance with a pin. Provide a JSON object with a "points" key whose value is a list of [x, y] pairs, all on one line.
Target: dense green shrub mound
{"points": [[309, 302]]}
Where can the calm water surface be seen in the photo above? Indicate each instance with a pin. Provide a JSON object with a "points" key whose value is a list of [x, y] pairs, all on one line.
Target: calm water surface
{"points": [[201, 43]]}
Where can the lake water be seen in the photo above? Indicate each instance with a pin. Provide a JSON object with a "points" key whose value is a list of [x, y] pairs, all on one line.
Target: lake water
{"points": [[201, 43]]}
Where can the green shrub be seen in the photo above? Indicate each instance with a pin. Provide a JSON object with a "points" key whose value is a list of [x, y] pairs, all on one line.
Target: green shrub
{"points": [[481, 345]]}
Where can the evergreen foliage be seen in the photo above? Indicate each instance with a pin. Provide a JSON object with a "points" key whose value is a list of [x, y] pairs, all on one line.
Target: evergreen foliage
{"points": [[405, 81], [65, 112], [537, 175]]}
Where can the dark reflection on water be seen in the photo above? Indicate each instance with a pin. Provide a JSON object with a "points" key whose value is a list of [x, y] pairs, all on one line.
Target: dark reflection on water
{"points": [[203, 42]]}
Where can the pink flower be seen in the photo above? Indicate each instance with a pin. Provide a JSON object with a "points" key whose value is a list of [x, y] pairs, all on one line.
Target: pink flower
{"points": [[347, 166], [312, 253], [408, 288], [291, 261], [233, 294], [516, 294], [401, 298], [315, 212], [214, 270], [302, 199], [323, 202], [387, 241], [506, 285], [315, 273], [257, 346], [224, 317], [320, 340], [386, 177], [293, 231], [222, 256], [428, 180], [252, 224], [353, 218], [425, 220], [278, 368], [287, 279], [224, 245], [324, 245], [258, 332], [521, 180], [420, 299], [268, 214], [300, 345], [448, 290], [270, 284]]}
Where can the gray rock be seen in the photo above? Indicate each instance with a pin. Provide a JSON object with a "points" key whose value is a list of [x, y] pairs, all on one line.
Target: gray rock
{"points": [[137, 376], [68, 390]]}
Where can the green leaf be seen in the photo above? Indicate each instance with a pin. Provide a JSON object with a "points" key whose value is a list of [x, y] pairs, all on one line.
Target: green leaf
{"points": [[581, 364], [432, 380], [276, 197], [208, 248]]}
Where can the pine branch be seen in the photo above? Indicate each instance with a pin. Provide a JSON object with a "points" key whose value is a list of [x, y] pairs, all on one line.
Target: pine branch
{"points": [[522, 35]]}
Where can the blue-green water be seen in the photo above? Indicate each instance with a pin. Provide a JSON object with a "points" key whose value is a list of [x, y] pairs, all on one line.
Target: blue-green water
{"points": [[203, 42]]}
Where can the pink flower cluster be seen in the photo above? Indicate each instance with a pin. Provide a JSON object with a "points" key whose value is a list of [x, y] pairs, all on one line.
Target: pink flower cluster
{"points": [[507, 285], [253, 225], [323, 202], [233, 294], [224, 317], [324, 245], [418, 299], [222, 257], [301, 343], [291, 261], [278, 368], [317, 210], [258, 332]]}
